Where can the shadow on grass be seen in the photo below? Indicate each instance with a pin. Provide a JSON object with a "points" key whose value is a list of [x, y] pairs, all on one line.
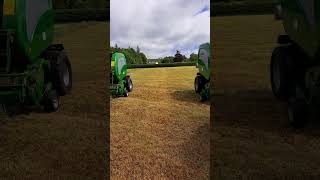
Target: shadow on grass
{"points": [[188, 96], [257, 109], [196, 151]]}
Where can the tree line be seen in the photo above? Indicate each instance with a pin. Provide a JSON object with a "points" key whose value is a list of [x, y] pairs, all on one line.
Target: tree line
{"points": [[135, 56], [178, 57]]}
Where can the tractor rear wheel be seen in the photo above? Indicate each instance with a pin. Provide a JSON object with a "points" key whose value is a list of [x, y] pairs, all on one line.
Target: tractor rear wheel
{"points": [[297, 113], [126, 93], [128, 84], [281, 71], [51, 101], [61, 73], [199, 84], [202, 97]]}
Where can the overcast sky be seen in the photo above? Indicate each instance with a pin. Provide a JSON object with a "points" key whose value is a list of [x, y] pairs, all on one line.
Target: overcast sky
{"points": [[160, 27]]}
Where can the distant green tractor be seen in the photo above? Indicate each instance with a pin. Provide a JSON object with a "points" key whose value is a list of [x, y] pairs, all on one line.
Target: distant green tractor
{"points": [[120, 83], [295, 63], [202, 80], [33, 71]]}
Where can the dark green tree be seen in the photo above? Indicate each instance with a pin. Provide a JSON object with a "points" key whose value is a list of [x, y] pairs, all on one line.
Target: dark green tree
{"points": [[138, 49], [193, 57], [178, 57]]}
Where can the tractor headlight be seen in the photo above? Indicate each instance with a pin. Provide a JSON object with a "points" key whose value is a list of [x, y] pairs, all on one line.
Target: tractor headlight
{"points": [[9, 7]]}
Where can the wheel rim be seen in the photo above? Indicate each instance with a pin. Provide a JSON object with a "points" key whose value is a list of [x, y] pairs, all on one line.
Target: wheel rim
{"points": [[55, 102], [276, 74], [66, 76], [196, 88], [290, 114]]}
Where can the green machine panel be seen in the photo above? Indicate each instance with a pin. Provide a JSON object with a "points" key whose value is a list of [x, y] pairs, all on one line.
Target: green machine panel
{"points": [[119, 65], [33, 24], [204, 60]]}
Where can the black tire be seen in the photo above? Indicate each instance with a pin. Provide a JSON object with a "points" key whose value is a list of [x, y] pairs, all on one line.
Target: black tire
{"points": [[51, 101], [61, 73], [281, 72], [126, 93], [278, 12], [128, 84], [297, 113], [202, 98], [199, 84]]}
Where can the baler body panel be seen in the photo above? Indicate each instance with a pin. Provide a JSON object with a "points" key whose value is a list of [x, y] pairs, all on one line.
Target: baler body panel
{"points": [[26, 31], [119, 66], [33, 22], [204, 60], [118, 74]]}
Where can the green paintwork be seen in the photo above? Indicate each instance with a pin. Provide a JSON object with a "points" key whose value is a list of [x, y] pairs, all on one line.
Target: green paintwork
{"points": [[204, 67], [204, 60], [118, 74], [18, 22], [118, 89], [119, 65], [27, 85]]}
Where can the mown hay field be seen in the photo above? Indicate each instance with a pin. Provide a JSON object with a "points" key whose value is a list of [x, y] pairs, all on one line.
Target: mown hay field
{"points": [[251, 137], [161, 130], [71, 143]]}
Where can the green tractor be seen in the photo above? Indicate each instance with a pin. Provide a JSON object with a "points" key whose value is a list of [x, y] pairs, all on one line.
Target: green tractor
{"points": [[202, 80], [120, 83], [33, 71], [295, 63]]}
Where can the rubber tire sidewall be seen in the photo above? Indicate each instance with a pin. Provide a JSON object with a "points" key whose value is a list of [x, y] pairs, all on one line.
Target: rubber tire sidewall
{"points": [[126, 93], [49, 102], [297, 113], [281, 56], [58, 73], [128, 83], [198, 84]]}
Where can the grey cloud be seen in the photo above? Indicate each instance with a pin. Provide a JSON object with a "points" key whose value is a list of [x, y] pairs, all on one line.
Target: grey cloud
{"points": [[158, 27]]}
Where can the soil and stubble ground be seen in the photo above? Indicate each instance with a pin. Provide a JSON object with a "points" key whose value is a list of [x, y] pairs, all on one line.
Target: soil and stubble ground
{"points": [[161, 131], [251, 138], [71, 143]]}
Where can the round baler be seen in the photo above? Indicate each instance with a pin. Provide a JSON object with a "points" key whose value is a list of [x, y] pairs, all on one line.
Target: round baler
{"points": [[202, 80], [33, 71], [295, 63], [120, 83]]}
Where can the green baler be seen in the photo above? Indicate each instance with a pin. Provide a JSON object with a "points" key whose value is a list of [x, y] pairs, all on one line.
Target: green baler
{"points": [[33, 71], [202, 80], [120, 83], [295, 63]]}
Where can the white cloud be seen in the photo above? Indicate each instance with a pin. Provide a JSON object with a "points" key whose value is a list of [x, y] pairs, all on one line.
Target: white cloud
{"points": [[160, 27]]}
